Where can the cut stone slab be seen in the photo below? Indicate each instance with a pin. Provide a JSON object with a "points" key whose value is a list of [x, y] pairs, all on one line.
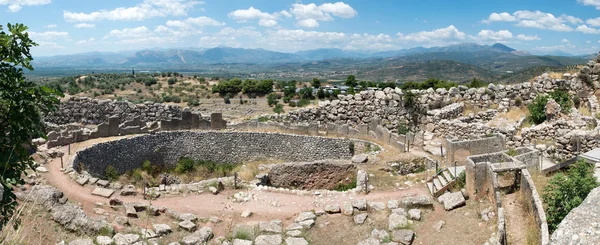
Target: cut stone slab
{"points": [[393, 204], [148, 233], [187, 216], [129, 190], [162, 229], [199, 237], [417, 202], [294, 233], [130, 211], [241, 242], [102, 183], [360, 204], [396, 221], [125, 239], [400, 211], [270, 227], [104, 240], [187, 225], [369, 241], [347, 209], [246, 214], [331, 209], [403, 236], [305, 216], [82, 242], [293, 226], [307, 224], [103, 192], [82, 180], [296, 241], [414, 214], [359, 219], [377, 206], [361, 158], [93, 181], [379, 234], [268, 240], [452, 200]]}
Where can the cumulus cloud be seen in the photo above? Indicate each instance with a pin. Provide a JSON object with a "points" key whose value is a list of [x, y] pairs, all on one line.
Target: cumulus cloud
{"points": [[593, 22], [308, 23], [528, 38], [198, 21], [494, 36], [595, 3], [443, 35], [17, 5], [48, 35], [245, 15], [51, 26], [86, 41], [50, 45], [144, 10], [84, 25], [587, 30], [536, 19]]}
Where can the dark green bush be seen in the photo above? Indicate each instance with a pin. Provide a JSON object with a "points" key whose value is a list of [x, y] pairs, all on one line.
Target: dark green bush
{"points": [[344, 186], [111, 173], [537, 109]]}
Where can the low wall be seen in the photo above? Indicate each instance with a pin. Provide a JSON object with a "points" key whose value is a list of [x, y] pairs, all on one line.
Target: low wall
{"points": [[482, 145], [166, 148], [534, 202], [312, 175]]}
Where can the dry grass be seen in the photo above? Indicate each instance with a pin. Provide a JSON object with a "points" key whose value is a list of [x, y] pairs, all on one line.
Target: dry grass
{"points": [[584, 110], [532, 235], [249, 170], [515, 113], [469, 108], [540, 181]]}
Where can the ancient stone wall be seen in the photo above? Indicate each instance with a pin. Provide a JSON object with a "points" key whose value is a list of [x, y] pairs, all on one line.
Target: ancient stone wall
{"points": [[480, 145], [166, 148], [533, 200], [312, 175]]}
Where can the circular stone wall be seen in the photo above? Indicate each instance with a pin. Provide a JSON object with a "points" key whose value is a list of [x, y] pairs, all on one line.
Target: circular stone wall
{"points": [[312, 175], [166, 148]]}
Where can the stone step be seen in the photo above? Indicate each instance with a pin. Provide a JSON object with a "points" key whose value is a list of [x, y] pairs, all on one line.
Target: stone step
{"points": [[447, 175], [430, 187], [442, 180], [459, 170], [437, 184]]}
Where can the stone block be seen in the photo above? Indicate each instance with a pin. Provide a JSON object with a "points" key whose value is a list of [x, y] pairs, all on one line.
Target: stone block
{"points": [[113, 125], [103, 192], [217, 122]]}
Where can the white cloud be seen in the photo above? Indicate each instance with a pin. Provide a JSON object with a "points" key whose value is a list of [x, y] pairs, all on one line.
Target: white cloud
{"points": [[86, 41], [145, 10], [308, 23], [84, 25], [51, 26], [593, 22], [587, 30], [595, 3], [17, 5], [443, 35], [245, 15], [48, 35], [588, 42], [322, 12], [285, 13], [129, 32], [493, 36], [564, 40], [199, 21], [536, 19], [528, 38], [49, 45]]}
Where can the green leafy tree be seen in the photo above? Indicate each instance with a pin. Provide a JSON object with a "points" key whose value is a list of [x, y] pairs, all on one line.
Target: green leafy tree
{"points": [[21, 105], [537, 109], [563, 98], [306, 93], [351, 81], [316, 83], [278, 108], [272, 99], [321, 94], [172, 81], [565, 192]]}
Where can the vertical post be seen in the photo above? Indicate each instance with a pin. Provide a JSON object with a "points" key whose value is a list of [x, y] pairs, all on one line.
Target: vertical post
{"points": [[235, 180], [436, 167], [61, 163], [366, 184], [69, 149], [455, 177]]}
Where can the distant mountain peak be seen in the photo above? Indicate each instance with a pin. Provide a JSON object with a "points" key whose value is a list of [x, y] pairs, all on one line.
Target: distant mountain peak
{"points": [[503, 48]]}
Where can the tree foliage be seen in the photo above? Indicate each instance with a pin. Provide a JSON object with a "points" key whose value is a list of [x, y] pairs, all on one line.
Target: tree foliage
{"points": [[22, 104], [537, 109], [565, 192], [430, 83], [563, 98], [316, 83], [351, 81]]}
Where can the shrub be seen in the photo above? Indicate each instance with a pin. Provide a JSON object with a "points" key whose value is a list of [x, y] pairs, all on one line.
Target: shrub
{"points": [[344, 186], [537, 109], [193, 101], [402, 128], [563, 193], [172, 81], [272, 99], [518, 101], [147, 166], [111, 173], [563, 99], [278, 109], [511, 152], [226, 100], [461, 180], [303, 102], [184, 165]]}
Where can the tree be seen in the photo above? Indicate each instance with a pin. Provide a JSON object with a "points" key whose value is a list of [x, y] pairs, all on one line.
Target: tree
{"points": [[21, 105], [351, 81], [306, 93], [272, 99], [172, 81], [414, 108], [537, 109], [278, 108], [321, 94], [563, 193], [316, 83]]}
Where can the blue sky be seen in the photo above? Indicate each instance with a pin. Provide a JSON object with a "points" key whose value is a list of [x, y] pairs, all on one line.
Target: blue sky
{"points": [[74, 26]]}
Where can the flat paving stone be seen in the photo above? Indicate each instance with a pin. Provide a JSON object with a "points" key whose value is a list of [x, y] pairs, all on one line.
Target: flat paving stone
{"points": [[103, 192]]}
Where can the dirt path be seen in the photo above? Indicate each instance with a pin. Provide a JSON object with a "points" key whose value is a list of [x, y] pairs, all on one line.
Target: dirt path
{"points": [[516, 219]]}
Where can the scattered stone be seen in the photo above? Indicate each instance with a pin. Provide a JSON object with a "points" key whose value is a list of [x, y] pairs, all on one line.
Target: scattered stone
{"points": [[130, 212], [148, 233], [199, 237], [379, 234], [214, 219], [122, 220], [377, 206], [293, 226], [246, 214], [241, 242], [414, 214], [125, 239], [86, 241], [331, 209], [102, 183], [359, 219], [348, 209], [396, 221], [320, 212], [452, 200], [361, 158], [213, 190], [103, 192], [82, 180], [369, 241], [98, 211], [403, 236], [41, 169], [93, 181], [270, 227], [187, 216], [393, 204], [360, 204], [162, 229], [129, 190], [115, 202], [296, 241], [305, 216], [438, 226], [104, 240], [187, 225], [400, 211], [417, 202], [268, 240], [307, 224]]}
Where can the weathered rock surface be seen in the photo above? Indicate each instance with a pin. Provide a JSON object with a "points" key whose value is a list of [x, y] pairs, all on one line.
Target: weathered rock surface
{"points": [[268, 240], [199, 237], [312, 175], [403, 236], [359, 219], [270, 227], [396, 221], [296, 241], [126, 239], [360, 158], [452, 200], [582, 224]]}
